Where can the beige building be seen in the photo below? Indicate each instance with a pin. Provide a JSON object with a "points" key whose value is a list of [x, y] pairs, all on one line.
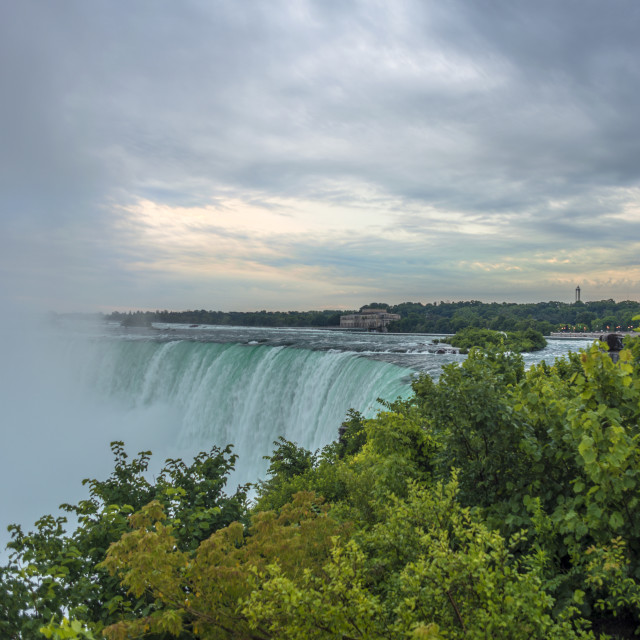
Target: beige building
{"points": [[369, 320]]}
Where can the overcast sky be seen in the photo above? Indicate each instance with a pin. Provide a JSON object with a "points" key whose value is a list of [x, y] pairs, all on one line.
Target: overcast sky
{"points": [[298, 154]]}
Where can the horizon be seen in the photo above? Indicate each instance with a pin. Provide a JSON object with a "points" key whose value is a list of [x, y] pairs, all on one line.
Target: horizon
{"points": [[286, 155], [320, 310]]}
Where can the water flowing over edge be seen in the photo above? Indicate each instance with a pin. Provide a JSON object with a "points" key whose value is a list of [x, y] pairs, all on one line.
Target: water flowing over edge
{"points": [[245, 395]]}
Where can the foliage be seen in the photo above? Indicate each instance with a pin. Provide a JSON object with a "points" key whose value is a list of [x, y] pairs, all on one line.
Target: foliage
{"points": [[52, 572], [443, 565], [352, 434], [66, 630], [199, 591], [545, 317], [327, 318], [470, 412], [300, 574], [518, 341], [554, 450]]}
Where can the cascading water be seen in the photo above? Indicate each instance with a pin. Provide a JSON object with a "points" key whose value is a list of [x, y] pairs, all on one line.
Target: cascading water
{"points": [[245, 395]]}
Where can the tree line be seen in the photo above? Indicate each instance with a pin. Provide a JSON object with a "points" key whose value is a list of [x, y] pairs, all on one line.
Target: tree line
{"points": [[263, 318], [450, 317], [417, 317]]}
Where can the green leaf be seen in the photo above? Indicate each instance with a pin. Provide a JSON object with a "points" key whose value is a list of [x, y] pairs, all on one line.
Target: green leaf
{"points": [[616, 520], [586, 450]]}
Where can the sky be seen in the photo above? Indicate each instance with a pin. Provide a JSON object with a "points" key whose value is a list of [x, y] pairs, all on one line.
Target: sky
{"points": [[300, 154]]}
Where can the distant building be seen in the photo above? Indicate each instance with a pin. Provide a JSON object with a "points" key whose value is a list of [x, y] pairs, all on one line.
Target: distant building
{"points": [[369, 320]]}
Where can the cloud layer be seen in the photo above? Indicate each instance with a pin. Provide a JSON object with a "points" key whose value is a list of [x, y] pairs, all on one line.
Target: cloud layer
{"points": [[316, 154]]}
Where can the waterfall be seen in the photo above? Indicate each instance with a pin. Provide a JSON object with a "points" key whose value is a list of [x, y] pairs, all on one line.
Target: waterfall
{"points": [[245, 395]]}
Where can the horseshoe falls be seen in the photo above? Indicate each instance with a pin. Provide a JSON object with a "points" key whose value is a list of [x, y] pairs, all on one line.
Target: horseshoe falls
{"points": [[245, 395], [68, 390]]}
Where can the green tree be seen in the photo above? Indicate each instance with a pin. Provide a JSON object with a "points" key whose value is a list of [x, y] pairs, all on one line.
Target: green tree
{"points": [[520, 341], [52, 572], [197, 592]]}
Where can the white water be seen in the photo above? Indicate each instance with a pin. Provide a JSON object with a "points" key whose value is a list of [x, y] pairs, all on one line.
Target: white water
{"points": [[245, 395], [179, 390]]}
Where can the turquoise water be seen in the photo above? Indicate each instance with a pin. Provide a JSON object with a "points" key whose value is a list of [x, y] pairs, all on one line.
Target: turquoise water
{"points": [[246, 395]]}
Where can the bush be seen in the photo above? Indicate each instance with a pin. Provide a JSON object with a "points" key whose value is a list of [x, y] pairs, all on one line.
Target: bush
{"points": [[517, 341]]}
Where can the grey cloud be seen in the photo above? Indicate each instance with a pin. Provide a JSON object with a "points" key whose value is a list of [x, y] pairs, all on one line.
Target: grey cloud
{"points": [[264, 97], [498, 108]]}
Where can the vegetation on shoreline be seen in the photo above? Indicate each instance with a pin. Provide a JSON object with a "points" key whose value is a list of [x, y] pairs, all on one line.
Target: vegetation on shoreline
{"points": [[517, 341], [230, 318], [495, 502], [442, 317]]}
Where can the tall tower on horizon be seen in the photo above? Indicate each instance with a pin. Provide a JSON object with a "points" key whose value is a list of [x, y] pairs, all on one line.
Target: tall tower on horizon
{"points": [[578, 293]]}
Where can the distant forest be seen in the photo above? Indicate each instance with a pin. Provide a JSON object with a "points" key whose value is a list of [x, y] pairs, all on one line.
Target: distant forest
{"points": [[437, 317]]}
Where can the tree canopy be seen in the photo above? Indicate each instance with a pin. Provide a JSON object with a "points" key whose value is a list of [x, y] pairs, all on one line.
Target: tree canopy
{"points": [[519, 341]]}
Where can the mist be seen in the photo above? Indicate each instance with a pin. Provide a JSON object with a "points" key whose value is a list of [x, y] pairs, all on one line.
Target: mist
{"points": [[56, 429]]}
